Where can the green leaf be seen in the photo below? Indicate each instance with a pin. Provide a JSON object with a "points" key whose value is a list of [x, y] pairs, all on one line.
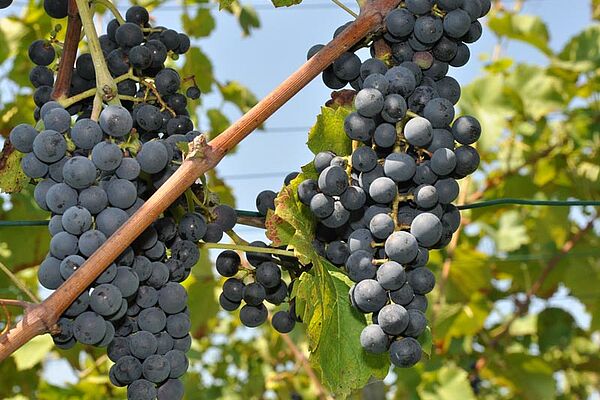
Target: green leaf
{"points": [[248, 19], [426, 340], [582, 52], [510, 233], [328, 134], [218, 122], [12, 177], [33, 352], [528, 377], [596, 10], [198, 65], [526, 28], [220, 188], [555, 327], [201, 25], [285, 3], [468, 274], [241, 96], [226, 3], [448, 383]]}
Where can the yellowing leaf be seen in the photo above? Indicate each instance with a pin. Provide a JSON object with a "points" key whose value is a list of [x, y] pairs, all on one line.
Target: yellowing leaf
{"points": [[328, 134], [33, 352]]}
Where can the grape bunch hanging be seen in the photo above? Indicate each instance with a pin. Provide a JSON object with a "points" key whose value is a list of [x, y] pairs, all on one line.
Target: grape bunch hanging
{"points": [[93, 172], [382, 209]]}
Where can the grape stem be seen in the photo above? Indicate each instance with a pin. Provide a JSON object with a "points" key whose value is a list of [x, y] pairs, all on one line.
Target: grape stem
{"points": [[345, 8], [92, 92], [19, 284], [237, 239], [105, 84], [16, 303], [111, 7], [251, 249], [41, 318]]}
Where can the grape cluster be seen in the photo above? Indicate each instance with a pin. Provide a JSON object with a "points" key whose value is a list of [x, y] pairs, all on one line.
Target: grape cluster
{"points": [[260, 280], [383, 208], [92, 174]]}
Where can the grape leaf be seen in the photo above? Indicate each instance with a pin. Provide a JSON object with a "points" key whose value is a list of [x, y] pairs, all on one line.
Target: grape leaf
{"points": [[33, 352], [526, 28], [328, 134], [239, 95], [201, 25], [448, 383], [12, 177], [285, 3]]}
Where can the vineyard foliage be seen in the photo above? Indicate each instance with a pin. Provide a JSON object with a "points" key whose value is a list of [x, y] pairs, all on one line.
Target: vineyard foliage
{"points": [[516, 312]]}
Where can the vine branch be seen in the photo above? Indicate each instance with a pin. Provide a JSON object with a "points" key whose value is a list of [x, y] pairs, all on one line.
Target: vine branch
{"points": [[67, 59], [43, 316]]}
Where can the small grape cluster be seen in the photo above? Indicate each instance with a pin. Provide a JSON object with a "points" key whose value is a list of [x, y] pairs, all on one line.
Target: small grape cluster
{"points": [[260, 280], [383, 208], [92, 174]]}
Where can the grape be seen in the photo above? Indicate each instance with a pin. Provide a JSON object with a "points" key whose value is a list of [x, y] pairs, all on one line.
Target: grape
{"points": [[228, 305], [421, 280], [347, 67], [462, 56], [424, 174], [393, 319], [141, 389], [170, 38], [49, 146], [451, 217], [94, 199], [153, 157], [172, 298], [391, 275], [55, 170], [314, 50], [41, 52], [116, 120], [233, 289], [473, 8], [400, 22], [118, 348], [214, 233], [449, 89], [89, 328], [86, 133], [253, 316], [442, 138], [228, 263], [107, 156], [192, 227], [402, 52], [178, 363], [110, 219], [467, 160], [152, 319], [156, 368], [449, 5], [127, 281], [466, 130], [185, 251], [49, 273], [360, 266], [39, 195], [63, 244], [128, 35], [127, 369], [419, 6], [400, 167], [401, 247], [428, 29], [149, 118], [337, 252], [372, 66], [447, 190], [440, 112], [427, 229], [373, 339], [405, 353], [159, 276], [369, 102], [65, 334], [265, 201], [358, 127], [57, 119], [353, 198], [22, 137], [457, 23], [377, 82], [364, 159], [418, 132], [78, 306], [385, 135], [283, 322], [417, 322], [167, 81], [331, 80], [33, 167], [76, 220], [383, 190], [268, 275], [41, 76], [225, 216], [381, 225], [338, 218], [79, 172], [146, 297], [321, 205], [369, 296], [70, 264], [425, 196], [333, 181], [402, 81], [278, 294], [360, 239], [443, 161], [254, 294]]}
